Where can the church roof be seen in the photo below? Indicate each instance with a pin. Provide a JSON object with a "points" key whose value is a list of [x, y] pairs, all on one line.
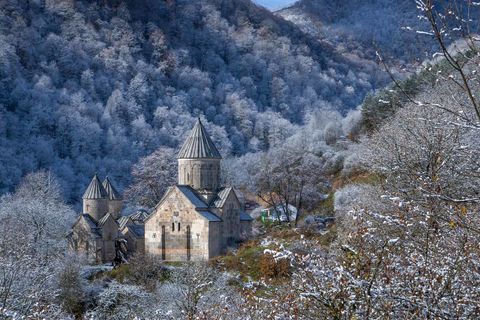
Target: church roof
{"points": [[210, 216], [245, 216], [90, 222], [95, 190], [113, 194], [94, 230], [192, 196], [222, 197], [122, 222], [103, 220], [199, 145], [137, 230], [139, 216]]}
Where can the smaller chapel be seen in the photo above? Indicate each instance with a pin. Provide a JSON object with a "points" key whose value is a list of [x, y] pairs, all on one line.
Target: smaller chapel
{"points": [[100, 226], [197, 219]]}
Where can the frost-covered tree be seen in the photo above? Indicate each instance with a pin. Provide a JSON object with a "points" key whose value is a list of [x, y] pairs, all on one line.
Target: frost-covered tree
{"points": [[406, 244], [193, 281], [289, 176], [152, 176], [32, 246], [122, 301]]}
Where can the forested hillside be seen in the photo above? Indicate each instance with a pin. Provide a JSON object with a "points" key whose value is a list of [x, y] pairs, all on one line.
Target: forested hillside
{"points": [[394, 28], [94, 85]]}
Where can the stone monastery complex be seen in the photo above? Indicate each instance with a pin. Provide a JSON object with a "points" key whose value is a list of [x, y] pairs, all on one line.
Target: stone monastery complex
{"points": [[197, 219]]}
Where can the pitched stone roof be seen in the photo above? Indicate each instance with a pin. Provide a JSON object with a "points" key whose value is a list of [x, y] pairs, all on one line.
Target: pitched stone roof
{"points": [[245, 216], [192, 196], [222, 197], [210, 216], [139, 216], [122, 222], [199, 145], [95, 190], [94, 230], [137, 230], [113, 194], [103, 220]]}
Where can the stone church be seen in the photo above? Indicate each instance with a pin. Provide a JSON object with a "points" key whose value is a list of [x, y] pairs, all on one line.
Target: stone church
{"points": [[100, 225], [196, 219]]}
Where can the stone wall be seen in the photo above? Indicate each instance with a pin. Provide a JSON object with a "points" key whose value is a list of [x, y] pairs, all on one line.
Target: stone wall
{"points": [[230, 214], [114, 207], [245, 230], [135, 245], [109, 234], [96, 208], [200, 174], [81, 241], [216, 245], [175, 215]]}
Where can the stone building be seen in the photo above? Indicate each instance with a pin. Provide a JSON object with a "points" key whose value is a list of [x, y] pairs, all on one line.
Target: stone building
{"points": [[196, 219], [98, 227]]}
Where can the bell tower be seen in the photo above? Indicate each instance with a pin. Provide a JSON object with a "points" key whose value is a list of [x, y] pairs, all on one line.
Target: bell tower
{"points": [[115, 201], [199, 162], [95, 199]]}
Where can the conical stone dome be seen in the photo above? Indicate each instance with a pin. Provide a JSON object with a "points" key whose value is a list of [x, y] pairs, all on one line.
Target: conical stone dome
{"points": [[95, 190], [199, 161], [112, 193], [199, 145]]}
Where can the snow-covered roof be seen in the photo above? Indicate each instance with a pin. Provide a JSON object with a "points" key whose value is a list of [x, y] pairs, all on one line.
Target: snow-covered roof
{"points": [[113, 194], [199, 145], [212, 217], [95, 190]]}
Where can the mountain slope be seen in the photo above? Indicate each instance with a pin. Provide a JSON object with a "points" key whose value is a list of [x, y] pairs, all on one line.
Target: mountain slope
{"points": [[361, 27], [94, 85]]}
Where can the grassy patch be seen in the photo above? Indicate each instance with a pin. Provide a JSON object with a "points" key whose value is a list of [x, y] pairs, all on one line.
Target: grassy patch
{"points": [[326, 208], [326, 239], [252, 264], [120, 274], [142, 270], [362, 177], [245, 260], [174, 263]]}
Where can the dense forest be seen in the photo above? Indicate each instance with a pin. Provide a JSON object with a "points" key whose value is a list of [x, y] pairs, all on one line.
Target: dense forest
{"points": [[93, 85]]}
